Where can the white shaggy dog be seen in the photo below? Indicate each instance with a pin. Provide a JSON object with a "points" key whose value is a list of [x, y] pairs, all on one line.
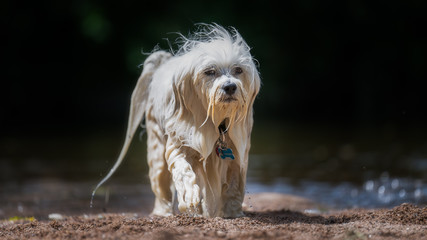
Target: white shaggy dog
{"points": [[197, 105]]}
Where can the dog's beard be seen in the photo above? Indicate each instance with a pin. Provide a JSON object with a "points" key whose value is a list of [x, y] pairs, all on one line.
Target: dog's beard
{"points": [[223, 108]]}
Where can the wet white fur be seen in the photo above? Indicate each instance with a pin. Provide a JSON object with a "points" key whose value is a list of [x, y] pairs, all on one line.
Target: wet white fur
{"points": [[183, 108]]}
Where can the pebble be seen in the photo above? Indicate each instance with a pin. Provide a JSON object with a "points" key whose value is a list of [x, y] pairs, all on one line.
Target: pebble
{"points": [[55, 216], [220, 233]]}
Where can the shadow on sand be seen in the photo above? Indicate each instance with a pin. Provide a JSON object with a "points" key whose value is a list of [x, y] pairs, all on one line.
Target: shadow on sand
{"points": [[287, 216]]}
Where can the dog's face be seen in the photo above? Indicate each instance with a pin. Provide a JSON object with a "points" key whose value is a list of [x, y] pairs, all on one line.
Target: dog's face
{"points": [[222, 88], [225, 80]]}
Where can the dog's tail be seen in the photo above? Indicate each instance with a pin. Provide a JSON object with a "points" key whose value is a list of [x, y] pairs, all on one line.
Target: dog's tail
{"points": [[137, 107]]}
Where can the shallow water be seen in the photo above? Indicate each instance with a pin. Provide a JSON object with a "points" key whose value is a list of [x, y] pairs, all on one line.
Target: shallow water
{"points": [[342, 189], [375, 193]]}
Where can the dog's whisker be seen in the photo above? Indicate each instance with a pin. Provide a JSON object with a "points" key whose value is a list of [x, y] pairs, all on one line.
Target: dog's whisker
{"points": [[230, 122], [207, 115], [213, 110]]}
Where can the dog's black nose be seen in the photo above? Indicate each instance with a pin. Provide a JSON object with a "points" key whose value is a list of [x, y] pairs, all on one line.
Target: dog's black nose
{"points": [[229, 88]]}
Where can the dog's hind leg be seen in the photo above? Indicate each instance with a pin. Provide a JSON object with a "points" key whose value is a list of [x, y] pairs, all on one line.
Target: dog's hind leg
{"points": [[160, 177]]}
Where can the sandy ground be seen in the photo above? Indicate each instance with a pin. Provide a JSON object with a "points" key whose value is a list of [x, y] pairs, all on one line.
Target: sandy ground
{"points": [[268, 216]]}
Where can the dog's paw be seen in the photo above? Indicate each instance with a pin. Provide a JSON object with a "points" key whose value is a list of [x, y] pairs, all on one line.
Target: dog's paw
{"points": [[160, 212], [190, 201], [236, 214], [162, 207], [233, 208], [188, 192]]}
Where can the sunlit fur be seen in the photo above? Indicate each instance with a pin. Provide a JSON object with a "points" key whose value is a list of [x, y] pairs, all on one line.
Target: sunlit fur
{"points": [[182, 99]]}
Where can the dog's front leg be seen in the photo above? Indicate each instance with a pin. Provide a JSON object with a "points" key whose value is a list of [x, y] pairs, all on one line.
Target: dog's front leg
{"points": [[233, 191], [184, 178]]}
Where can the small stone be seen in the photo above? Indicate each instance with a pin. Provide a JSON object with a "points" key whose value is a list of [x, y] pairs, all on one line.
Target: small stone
{"points": [[220, 233], [55, 216]]}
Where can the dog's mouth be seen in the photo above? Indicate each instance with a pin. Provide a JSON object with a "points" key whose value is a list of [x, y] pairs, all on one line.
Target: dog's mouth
{"points": [[228, 99]]}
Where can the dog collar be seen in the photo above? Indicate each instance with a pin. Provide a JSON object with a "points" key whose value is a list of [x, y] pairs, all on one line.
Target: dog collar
{"points": [[222, 128], [221, 149], [224, 153]]}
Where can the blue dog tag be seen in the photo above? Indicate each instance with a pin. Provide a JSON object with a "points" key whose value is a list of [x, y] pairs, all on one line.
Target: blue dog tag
{"points": [[224, 153]]}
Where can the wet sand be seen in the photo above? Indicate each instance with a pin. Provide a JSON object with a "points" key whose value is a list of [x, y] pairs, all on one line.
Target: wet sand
{"points": [[268, 216]]}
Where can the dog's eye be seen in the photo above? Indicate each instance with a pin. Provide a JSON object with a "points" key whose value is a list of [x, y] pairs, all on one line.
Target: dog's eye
{"points": [[210, 72], [238, 70]]}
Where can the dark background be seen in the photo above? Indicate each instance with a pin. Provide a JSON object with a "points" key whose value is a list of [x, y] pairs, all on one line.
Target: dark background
{"points": [[69, 67]]}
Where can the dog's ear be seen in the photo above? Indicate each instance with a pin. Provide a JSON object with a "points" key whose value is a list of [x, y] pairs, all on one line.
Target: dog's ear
{"points": [[189, 114], [185, 93], [241, 133], [254, 90], [187, 98]]}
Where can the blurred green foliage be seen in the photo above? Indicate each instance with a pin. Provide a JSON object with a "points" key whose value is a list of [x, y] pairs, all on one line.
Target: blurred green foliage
{"points": [[72, 65]]}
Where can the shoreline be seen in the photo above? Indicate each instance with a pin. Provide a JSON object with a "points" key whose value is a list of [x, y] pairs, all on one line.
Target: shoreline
{"points": [[268, 216]]}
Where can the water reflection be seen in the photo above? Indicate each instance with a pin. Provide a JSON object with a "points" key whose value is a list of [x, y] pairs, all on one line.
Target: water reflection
{"points": [[374, 193], [336, 186]]}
